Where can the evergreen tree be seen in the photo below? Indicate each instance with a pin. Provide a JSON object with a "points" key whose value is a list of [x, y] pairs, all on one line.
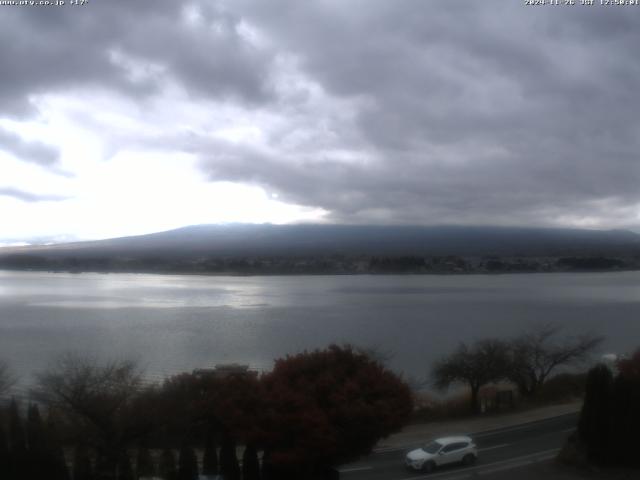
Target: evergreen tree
{"points": [[125, 471], [37, 444], [229, 467], [595, 418], [250, 464], [210, 457], [622, 429], [625, 412], [36, 437], [267, 467], [145, 466], [104, 469], [19, 460], [633, 459], [167, 468], [187, 464], [82, 468], [4, 455], [56, 462]]}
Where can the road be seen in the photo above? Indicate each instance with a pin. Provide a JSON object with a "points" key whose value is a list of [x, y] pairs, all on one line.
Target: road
{"points": [[499, 450]]}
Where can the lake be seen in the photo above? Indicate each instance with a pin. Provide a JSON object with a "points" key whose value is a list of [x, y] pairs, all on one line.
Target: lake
{"points": [[174, 323]]}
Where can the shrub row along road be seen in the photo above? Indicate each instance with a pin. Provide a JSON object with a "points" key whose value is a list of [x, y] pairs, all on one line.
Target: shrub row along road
{"points": [[499, 450]]}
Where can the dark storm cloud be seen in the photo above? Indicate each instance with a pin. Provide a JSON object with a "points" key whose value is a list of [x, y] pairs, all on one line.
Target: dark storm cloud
{"points": [[34, 152], [28, 196], [129, 47], [455, 111], [477, 111]]}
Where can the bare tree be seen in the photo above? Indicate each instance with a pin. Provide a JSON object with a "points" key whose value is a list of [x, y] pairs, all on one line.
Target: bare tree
{"points": [[377, 353], [7, 379], [101, 399], [416, 384], [537, 353], [481, 363]]}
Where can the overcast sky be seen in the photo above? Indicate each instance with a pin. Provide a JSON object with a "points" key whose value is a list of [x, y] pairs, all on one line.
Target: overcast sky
{"points": [[123, 117]]}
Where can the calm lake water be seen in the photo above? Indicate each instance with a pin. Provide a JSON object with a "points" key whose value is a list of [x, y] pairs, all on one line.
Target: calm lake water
{"points": [[173, 323]]}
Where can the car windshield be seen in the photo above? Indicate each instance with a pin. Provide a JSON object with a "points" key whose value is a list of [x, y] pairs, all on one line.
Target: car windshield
{"points": [[432, 447]]}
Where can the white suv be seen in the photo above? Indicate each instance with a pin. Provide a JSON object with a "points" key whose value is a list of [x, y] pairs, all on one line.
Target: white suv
{"points": [[442, 451]]}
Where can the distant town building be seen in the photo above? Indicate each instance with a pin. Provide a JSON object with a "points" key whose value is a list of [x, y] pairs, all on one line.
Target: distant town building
{"points": [[222, 370], [611, 361]]}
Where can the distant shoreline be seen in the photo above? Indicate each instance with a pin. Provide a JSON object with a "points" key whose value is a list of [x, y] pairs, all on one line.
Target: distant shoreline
{"points": [[306, 270]]}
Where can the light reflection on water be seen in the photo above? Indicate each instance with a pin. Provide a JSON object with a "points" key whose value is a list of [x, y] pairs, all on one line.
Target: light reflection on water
{"points": [[174, 323]]}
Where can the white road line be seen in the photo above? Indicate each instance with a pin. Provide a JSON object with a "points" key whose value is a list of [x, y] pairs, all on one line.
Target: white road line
{"points": [[399, 449], [497, 466], [491, 433], [519, 464], [355, 469], [495, 446], [488, 433], [393, 449], [498, 432]]}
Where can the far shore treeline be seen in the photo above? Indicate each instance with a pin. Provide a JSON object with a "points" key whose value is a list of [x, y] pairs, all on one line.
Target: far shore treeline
{"points": [[249, 249], [330, 265]]}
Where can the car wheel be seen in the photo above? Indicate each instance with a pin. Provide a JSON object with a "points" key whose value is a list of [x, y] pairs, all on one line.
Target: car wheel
{"points": [[428, 467], [469, 459]]}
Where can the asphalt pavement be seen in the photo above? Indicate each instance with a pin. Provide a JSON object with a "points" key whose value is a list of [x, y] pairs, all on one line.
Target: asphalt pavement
{"points": [[499, 450]]}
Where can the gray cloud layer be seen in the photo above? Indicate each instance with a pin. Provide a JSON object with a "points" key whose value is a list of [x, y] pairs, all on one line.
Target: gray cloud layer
{"points": [[28, 196], [34, 152], [53, 49], [464, 112]]}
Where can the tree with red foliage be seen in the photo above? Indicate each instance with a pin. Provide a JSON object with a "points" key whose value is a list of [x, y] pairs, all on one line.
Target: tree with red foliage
{"points": [[630, 367], [328, 407], [197, 406], [178, 409], [235, 405], [625, 410]]}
